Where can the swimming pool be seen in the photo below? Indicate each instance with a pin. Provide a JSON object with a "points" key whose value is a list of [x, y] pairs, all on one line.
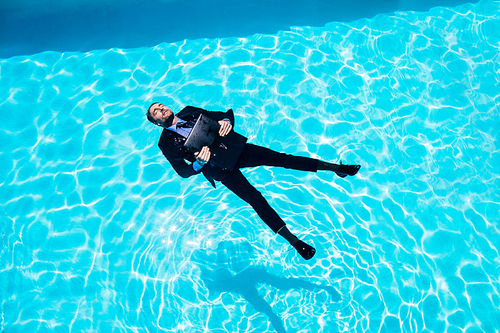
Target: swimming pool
{"points": [[100, 235]]}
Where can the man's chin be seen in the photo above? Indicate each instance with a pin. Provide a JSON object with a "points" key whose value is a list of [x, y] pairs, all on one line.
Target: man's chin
{"points": [[168, 122]]}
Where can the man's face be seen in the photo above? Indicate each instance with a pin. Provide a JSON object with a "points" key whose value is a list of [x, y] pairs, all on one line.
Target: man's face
{"points": [[162, 114]]}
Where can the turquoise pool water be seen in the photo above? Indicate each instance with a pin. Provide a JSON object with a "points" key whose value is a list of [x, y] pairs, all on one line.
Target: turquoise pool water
{"points": [[100, 235]]}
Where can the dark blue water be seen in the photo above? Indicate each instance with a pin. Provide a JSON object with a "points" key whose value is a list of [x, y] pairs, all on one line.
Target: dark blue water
{"points": [[29, 27]]}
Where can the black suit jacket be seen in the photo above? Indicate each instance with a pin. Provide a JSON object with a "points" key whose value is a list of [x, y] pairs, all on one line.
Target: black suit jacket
{"points": [[172, 144]]}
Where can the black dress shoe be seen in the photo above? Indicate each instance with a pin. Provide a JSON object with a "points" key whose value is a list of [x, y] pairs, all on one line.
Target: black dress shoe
{"points": [[305, 250], [347, 170]]}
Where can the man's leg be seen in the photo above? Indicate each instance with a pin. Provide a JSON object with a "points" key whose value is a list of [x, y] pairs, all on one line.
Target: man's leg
{"points": [[341, 170], [253, 156], [240, 186]]}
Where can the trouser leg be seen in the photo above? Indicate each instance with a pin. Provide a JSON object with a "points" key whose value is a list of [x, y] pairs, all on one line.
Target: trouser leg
{"points": [[237, 183], [253, 156], [240, 186]]}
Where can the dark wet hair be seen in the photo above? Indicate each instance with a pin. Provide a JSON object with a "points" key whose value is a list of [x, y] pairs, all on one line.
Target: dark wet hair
{"points": [[149, 116]]}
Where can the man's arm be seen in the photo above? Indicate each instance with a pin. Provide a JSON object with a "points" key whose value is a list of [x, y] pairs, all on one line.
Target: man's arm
{"points": [[173, 151], [180, 166]]}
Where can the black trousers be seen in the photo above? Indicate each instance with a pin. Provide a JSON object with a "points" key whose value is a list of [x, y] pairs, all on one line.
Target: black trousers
{"points": [[253, 156]]}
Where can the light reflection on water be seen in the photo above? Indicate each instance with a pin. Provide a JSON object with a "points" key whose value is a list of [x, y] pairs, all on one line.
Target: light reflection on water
{"points": [[100, 233]]}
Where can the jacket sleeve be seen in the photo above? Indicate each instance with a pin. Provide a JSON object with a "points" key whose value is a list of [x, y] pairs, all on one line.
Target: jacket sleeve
{"points": [[175, 156]]}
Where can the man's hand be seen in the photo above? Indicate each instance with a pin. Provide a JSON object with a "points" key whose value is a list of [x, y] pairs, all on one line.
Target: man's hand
{"points": [[203, 156], [225, 127]]}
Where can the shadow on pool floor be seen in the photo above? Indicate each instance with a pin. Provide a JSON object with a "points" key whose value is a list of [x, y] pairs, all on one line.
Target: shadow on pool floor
{"points": [[217, 277]]}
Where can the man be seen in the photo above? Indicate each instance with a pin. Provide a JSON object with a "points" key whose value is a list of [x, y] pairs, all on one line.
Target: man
{"points": [[176, 128]]}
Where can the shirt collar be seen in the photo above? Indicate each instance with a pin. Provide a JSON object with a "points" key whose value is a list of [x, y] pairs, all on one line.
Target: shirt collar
{"points": [[173, 127]]}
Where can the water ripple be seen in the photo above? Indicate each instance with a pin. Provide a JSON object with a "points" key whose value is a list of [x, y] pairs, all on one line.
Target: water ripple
{"points": [[101, 235]]}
